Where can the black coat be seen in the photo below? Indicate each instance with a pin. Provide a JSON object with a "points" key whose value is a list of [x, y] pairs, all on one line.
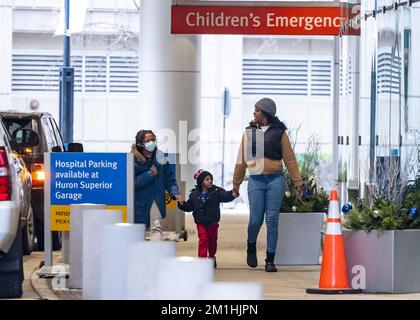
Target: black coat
{"points": [[208, 211]]}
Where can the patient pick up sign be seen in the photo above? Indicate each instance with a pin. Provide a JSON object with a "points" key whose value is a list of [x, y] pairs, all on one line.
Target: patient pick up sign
{"points": [[100, 178]]}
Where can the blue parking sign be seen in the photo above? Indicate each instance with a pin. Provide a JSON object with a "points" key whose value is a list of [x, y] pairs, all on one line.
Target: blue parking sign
{"points": [[88, 178]]}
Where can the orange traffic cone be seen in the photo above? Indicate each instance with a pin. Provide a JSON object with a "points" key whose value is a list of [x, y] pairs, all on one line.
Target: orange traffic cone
{"points": [[334, 278]]}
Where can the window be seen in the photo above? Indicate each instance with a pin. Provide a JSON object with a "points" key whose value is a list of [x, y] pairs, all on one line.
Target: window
{"points": [[95, 74], [123, 74], [41, 72], [57, 134], [321, 77], [389, 73], [92, 73], [346, 83], [288, 77], [49, 133], [15, 124]]}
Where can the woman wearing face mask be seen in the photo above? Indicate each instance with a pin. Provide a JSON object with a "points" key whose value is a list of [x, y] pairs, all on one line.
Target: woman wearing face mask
{"points": [[264, 147], [153, 175]]}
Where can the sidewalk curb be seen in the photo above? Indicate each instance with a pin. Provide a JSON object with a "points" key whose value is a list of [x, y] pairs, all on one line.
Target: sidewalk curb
{"points": [[42, 287]]}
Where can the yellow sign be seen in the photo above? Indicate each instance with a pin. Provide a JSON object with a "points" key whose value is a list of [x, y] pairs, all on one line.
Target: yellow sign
{"points": [[60, 216], [170, 203]]}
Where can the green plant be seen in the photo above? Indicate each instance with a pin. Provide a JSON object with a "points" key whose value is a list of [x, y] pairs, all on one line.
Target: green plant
{"points": [[314, 198], [311, 157], [387, 215]]}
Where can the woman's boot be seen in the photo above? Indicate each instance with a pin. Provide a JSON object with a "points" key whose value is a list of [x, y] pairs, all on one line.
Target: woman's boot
{"points": [[251, 255], [269, 262]]}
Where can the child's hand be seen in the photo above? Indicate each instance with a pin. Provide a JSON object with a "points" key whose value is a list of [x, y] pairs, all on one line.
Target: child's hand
{"points": [[180, 199], [235, 193]]}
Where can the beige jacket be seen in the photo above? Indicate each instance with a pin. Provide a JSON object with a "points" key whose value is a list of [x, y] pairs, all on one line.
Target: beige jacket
{"points": [[266, 165]]}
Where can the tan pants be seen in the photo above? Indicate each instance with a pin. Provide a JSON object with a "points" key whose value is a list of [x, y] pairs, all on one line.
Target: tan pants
{"points": [[156, 229]]}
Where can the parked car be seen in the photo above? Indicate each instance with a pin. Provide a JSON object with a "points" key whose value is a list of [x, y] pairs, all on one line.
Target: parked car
{"points": [[26, 212], [50, 140], [11, 260], [25, 186]]}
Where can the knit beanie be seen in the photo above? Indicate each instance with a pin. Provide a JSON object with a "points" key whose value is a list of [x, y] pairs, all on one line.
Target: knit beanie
{"points": [[268, 106], [200, 176]]}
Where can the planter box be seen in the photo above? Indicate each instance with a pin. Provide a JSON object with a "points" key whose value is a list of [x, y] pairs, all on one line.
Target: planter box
{"points": [[299, 240], [391, 259]]}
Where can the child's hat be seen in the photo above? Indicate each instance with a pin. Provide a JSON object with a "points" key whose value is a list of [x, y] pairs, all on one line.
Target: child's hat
{"points": [[200, 175]]}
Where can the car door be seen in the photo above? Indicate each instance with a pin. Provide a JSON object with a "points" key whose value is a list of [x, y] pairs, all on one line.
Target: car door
{"points": [[57, 134], [50, 135]]}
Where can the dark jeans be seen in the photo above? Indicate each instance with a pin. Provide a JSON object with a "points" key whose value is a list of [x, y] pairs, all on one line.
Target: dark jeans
{"points": [[265, 193]]}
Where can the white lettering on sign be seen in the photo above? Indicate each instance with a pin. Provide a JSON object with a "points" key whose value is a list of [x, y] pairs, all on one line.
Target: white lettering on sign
{"points": [[210, 19], [308, 23], [72, 175], [68, 196], [78, 170], [95, 186], [102, 164]]}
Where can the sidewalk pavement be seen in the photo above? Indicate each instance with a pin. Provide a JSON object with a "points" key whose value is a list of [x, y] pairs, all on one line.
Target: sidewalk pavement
{"points": [[35, 288], [289, 283]]}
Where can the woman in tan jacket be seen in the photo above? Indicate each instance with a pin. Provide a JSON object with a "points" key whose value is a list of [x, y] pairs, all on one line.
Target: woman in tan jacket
{"points": [[264, 147]]}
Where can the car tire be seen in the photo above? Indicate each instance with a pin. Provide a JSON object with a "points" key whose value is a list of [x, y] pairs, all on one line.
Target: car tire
{"points": [[28, 234], [57, 242], [39, 229], [56, 236], [11, 274], [11, 284]]}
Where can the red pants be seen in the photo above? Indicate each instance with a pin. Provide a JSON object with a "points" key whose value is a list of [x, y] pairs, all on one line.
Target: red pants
{"points": [[207, 239]]}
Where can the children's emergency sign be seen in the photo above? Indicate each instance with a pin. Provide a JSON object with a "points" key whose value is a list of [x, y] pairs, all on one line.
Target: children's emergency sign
{"points": [[101, 178], [266, 18]]}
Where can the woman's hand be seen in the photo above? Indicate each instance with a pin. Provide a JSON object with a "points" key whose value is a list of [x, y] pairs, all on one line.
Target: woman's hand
{"points": [[179, 199], [235, 193], [154, 171]]}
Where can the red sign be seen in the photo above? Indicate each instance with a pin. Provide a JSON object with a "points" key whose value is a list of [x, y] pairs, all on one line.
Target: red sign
{"points": [[327, 21]]}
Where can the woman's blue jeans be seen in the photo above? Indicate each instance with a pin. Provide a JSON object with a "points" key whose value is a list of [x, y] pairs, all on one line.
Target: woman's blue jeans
{"points": [[265, 193]]}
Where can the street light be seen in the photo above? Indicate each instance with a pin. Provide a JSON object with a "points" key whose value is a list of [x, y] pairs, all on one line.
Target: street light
{"points": [[66, 83]]}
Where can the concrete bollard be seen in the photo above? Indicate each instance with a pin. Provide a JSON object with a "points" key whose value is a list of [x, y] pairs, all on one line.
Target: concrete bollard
{"points": [[142, 273], [93, 222], [65, 247], [116, 239], [76, 242], [181, 278], [231, 291]]}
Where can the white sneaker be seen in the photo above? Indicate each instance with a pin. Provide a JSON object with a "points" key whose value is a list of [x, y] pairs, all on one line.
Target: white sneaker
{"points": [[156, 233]]}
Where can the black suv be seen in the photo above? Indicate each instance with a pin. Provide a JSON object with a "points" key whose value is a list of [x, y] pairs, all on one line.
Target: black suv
{"points": [[50, 140]]}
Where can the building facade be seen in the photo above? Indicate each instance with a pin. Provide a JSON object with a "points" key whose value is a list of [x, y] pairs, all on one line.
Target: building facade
{"points": [[384, 153], [297, 72]]}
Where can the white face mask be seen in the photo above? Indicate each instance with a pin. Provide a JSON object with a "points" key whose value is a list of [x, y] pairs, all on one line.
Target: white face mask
{"points": [[150, 146]]}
